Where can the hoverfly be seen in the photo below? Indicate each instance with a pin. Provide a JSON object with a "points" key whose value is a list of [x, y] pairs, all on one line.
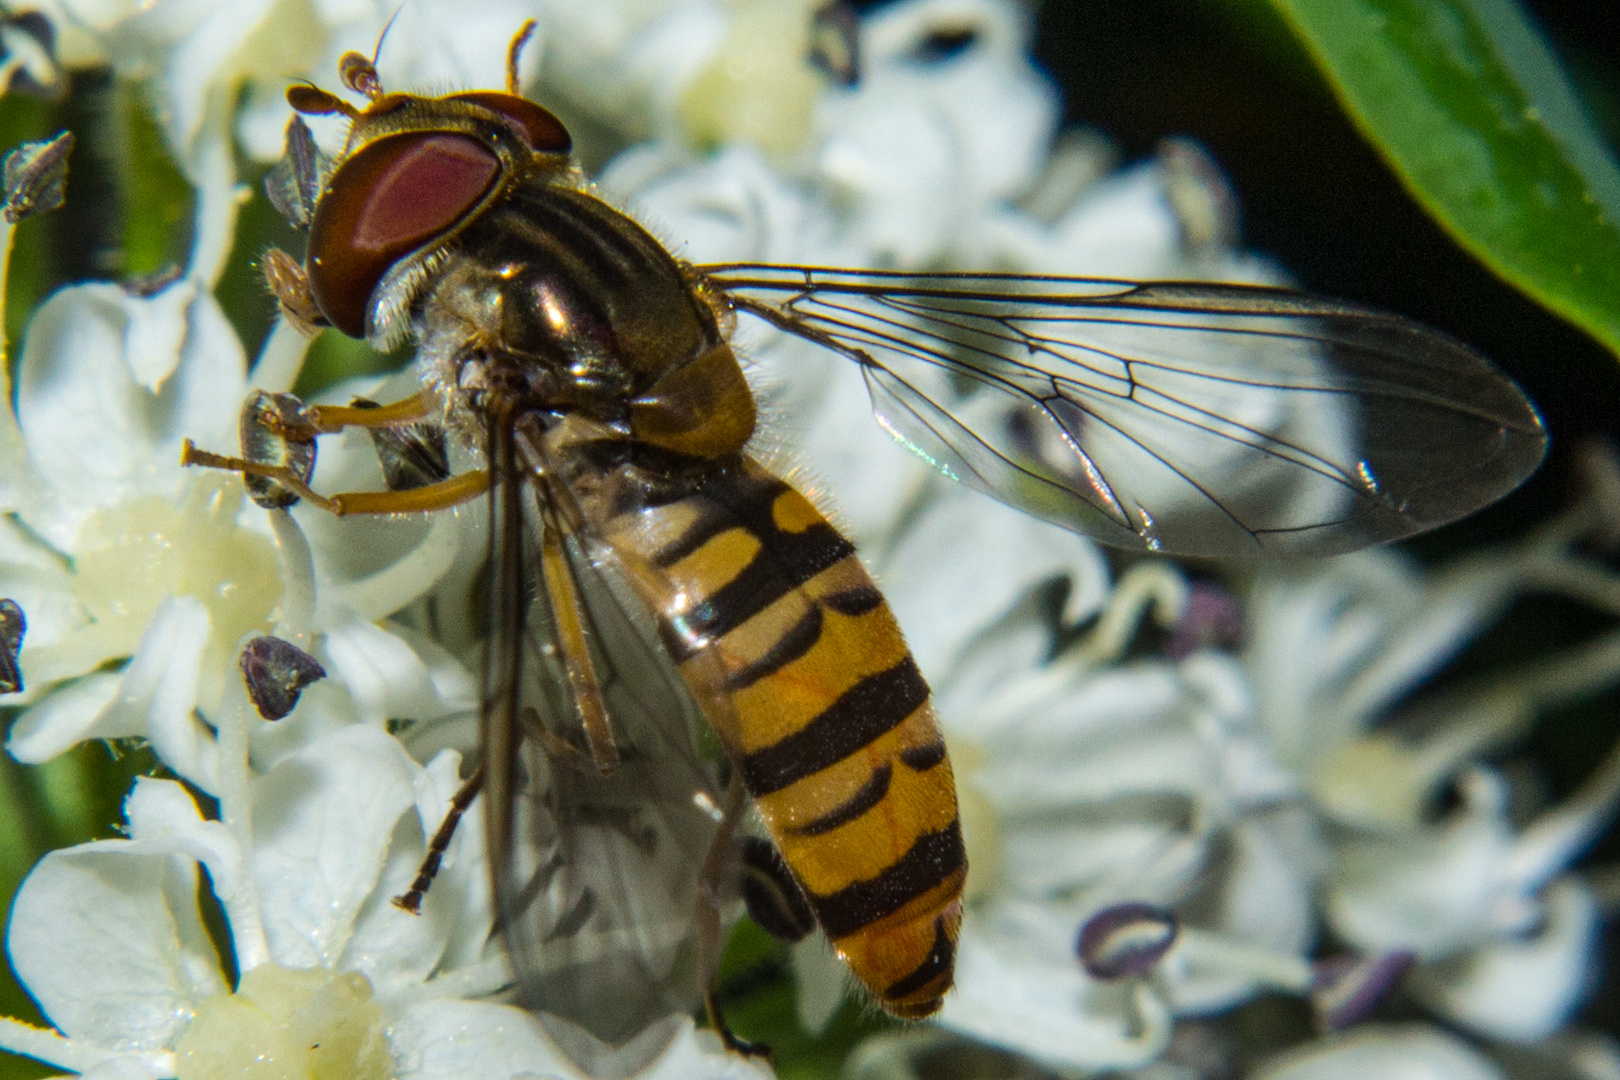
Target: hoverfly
{"points": [[652, 586]]}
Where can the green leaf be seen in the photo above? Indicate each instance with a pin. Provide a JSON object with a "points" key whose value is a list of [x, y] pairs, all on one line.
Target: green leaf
{"points": [[1471, 109]]}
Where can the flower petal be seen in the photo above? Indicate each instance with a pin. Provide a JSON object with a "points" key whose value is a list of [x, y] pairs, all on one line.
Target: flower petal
{"points": [[163, 816], [71, 380], [1027, 992], [966, 560], [108, 938], [323, 819], [924, 143], [77, 376], [157, 695], [400, 953], [33, 576], [62, 720], [1433, 891], [384, 675], [1522, 990], [155, 332], [1263, 899], [731, 207], [1410, 1052], [449, 1040]]}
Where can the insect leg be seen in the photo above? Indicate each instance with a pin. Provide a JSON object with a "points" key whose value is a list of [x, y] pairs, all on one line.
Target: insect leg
{"points": [[557, 748], [411, 899], [278, 441], [567, 609], [708, 921], [329, 418], [446, 493], [463, 487], [287, 281], [190, 455]]}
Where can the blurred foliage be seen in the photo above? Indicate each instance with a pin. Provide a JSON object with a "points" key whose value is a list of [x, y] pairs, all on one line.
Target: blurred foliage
{"points": [[1471, 109], [758, 995]]}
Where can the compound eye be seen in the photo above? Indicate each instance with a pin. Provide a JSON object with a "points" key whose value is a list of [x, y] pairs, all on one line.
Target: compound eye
{"points": [[391, 197], [535, 125]]}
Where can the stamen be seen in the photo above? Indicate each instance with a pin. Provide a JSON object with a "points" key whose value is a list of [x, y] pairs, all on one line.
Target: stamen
{"points": [[1347, 988], [1552, 841], [275, 429], [236, 813], [13, 625], [1221, 953], [1126, 939], [1210, 618], [276, 673], [35, 176], [43, 1044]]}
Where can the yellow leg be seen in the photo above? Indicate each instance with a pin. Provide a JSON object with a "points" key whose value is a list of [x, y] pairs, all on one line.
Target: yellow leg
{"points": [[446, 493], [327, 419], [565, 605], [330, 418]]}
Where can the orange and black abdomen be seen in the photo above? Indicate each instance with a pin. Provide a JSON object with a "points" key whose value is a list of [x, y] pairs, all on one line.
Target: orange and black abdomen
{"points": [[824, 712]]}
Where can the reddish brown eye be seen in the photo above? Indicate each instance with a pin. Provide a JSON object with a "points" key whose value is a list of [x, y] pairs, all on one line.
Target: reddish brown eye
{"points": [[391, 197], [535, 125]]}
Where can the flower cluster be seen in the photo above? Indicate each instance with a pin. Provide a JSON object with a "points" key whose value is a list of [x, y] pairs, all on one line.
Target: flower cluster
{"points": [[1157, 835]]}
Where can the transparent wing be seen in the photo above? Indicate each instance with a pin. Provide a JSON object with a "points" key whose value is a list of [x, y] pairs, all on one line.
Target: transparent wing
{"points": [[1186, 418], [597, 875]]}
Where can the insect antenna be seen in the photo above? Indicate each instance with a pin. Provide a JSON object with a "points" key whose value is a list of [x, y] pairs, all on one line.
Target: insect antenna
{"points": [[514, 53], [382, 37]]}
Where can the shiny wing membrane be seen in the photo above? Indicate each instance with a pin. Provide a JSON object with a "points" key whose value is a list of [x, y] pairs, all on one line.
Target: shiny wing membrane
{"points": [[597, 875], [1184, 418]]}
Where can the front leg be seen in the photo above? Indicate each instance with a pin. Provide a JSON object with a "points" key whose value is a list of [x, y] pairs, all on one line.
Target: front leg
{"points": [[278, 456], [287, 281]]}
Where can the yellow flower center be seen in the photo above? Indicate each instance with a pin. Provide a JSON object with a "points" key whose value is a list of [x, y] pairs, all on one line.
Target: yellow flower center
{"points": [[131, 557], [283, 1024], [758, 88]]}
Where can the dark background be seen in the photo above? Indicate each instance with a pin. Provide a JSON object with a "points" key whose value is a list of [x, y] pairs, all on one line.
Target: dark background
{"points": [[1316, 196]]}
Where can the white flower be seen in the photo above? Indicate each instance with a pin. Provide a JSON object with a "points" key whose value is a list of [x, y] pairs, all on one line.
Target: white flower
{"points": [[1214, 787], [1503, 931], [194, 58], [1417, 1053], [1085, 786], [1408, 1051], [335, 981], [114, 551], [111, 549]]}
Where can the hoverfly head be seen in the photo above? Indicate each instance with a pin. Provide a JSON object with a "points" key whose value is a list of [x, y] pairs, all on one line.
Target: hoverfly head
{"points": [[415, 171]]}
